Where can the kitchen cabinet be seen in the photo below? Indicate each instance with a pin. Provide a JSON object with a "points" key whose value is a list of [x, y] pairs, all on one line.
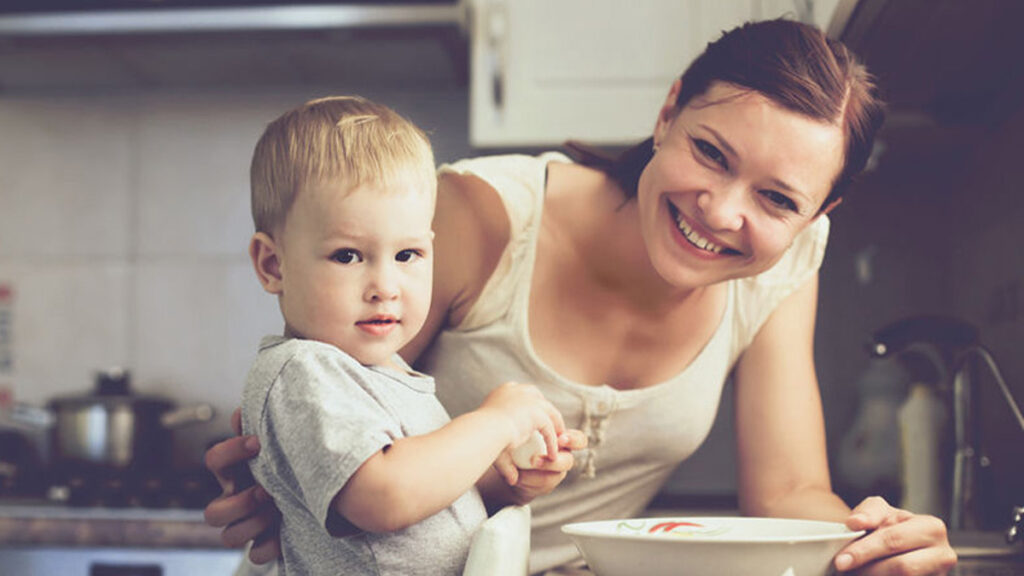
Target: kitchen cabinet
{"points": [[544, 71]]}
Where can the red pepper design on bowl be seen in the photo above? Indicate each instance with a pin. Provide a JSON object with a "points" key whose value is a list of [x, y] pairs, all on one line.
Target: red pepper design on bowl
{"points": [[668, 527], [677, 528]]}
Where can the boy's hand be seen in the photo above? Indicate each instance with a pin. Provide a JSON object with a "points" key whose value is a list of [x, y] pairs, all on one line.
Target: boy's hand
{"points": [[525, 409], [546, 473]]}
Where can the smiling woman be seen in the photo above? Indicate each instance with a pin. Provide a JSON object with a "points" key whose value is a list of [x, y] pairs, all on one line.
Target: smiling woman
{"points": [[739, 172], [629, 289]]}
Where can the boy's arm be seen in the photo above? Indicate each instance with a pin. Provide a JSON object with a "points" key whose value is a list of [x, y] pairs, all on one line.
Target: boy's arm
{"points": [[418, 476]]}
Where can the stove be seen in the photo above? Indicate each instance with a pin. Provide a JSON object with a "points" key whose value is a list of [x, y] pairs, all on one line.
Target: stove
{"points": [[168, 488]]}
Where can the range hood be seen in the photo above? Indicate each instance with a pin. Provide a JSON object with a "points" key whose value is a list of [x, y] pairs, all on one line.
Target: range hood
{"points": [[105, 45], [106, 18]]}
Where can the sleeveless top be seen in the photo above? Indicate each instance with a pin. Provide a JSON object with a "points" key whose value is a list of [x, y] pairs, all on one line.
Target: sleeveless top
{"points": [[636, 437]]}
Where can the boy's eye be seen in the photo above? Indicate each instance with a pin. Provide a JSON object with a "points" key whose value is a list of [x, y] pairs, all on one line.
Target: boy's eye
{"points": [[779, 199], [346, 256], [711, 152], [407, 255]]}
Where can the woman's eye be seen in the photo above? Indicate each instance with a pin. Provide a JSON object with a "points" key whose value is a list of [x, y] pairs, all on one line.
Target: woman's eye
{"points": [[346, 256], [779, 199], [407, 255], [711, 152]]}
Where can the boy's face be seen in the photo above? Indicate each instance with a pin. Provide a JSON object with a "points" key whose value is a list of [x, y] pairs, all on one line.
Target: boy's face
{"points": [[356, 267]]}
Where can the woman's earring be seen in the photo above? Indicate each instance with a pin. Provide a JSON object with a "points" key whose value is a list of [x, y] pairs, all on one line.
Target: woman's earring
{"points": [[654, 147]]}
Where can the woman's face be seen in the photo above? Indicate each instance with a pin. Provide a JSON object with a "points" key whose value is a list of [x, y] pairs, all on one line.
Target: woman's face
{"points": [[735, 178]]}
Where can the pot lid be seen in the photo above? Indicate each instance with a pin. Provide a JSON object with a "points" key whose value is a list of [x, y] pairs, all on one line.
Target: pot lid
{"points": [[112, 385]]}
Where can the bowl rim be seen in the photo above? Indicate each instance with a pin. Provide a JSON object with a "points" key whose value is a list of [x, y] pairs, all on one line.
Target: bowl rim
{"points": [[588, 529]]}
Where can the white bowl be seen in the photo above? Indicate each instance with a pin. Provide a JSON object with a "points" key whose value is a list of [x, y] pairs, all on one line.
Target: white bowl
{"points": [[700, 546]]}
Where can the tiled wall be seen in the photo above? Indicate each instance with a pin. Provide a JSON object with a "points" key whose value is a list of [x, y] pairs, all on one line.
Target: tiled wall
{"points": [[124, 223]]}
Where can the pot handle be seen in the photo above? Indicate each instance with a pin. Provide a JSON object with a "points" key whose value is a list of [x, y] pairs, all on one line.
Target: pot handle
{"points": [[187, 415]]}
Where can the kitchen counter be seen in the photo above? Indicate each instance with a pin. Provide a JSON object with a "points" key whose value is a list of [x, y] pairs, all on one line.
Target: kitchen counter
{"points": [[24, 525], [986, 554]]}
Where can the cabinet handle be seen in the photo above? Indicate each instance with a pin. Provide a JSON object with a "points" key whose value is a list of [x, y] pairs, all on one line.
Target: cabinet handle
{"points": [[125, 570], [497, 29]]}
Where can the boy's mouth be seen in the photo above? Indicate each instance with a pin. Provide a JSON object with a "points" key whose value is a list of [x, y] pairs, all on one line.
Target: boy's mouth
{"points": [[378, 321], [378, 325]]}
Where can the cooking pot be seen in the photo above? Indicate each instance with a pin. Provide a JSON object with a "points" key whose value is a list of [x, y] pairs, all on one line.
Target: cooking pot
{"points": [[111, 427]]}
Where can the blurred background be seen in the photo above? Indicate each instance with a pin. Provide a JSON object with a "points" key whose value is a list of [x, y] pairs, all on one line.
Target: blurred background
{"points": [[126, 129]]}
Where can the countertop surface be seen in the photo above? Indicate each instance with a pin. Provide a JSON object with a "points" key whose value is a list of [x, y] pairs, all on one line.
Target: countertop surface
{"points": [[43, 525], [28, 525]]}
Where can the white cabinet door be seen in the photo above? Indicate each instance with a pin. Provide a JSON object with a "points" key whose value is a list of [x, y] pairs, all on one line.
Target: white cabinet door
{"points": [[544, 71]]}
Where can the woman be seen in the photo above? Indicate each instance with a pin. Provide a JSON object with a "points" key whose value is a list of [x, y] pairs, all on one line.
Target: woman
{"points": [[629, 290]]}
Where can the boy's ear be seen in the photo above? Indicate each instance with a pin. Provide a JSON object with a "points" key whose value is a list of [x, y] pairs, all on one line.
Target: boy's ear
{"points": [[266, 261]]}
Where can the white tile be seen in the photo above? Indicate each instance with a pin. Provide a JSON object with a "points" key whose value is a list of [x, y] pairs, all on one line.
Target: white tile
{"points": [[70, 319], [194, 158], [65, 175], [251, 314], [197, 329]]}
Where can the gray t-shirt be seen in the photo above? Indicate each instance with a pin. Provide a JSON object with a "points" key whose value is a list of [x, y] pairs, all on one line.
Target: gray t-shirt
{"points": [[320, 415]]}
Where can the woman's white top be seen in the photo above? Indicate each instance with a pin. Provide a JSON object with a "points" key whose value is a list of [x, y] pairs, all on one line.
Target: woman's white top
{"points": [[636, 437]]}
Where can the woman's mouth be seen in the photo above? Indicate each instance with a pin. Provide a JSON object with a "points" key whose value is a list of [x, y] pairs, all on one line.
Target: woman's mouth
{"points": [[694, 237]]}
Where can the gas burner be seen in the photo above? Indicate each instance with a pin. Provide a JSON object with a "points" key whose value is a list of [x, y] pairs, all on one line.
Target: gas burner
{"points": [[181, 489]]}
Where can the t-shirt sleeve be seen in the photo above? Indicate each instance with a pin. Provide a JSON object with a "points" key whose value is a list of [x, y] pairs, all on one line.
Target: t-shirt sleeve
{"points": [[758, 296], [318, 427]]}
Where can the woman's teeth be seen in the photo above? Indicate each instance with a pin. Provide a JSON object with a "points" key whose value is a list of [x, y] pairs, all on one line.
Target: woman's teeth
{"points": [[695, 238]]}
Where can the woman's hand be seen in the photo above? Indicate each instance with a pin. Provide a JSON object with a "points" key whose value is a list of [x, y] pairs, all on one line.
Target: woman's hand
{"points": [[244, 510], [898, 542]]}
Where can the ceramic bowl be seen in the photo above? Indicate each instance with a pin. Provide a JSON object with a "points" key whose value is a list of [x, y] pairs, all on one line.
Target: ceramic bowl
{"points": [[705, 546]]}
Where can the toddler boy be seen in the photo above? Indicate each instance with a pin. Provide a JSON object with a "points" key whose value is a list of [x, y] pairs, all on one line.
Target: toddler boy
{"points": [[370, 474]]}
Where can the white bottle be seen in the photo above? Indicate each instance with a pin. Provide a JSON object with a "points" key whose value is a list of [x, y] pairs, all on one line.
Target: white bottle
{"points": [[923, 420]]}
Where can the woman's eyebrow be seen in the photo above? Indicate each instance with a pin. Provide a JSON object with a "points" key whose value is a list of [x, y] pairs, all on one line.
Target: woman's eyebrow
{"points": [[721, 141]]}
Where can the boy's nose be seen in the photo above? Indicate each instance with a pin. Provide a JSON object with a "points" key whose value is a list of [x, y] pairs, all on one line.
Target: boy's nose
{"points": [[383, 285]]}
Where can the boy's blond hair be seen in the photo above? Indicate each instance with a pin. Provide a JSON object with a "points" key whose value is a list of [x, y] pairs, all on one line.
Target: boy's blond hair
{"points": [[340, 139]]}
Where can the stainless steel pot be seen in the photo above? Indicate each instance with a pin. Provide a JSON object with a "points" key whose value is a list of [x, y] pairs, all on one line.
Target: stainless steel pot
{"points": [[112, 427]]}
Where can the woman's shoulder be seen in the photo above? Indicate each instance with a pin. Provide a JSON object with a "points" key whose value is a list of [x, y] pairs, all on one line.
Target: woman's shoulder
{"points": [[801, 260], [756, 297], [484, 206]]}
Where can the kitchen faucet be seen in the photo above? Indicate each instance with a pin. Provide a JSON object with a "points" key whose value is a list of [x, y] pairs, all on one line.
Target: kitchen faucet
{"points": [[958, 341], [963, 511]]}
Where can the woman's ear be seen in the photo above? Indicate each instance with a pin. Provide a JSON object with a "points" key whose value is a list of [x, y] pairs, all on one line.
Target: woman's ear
{"points": [[266, 261], [667, 113]]}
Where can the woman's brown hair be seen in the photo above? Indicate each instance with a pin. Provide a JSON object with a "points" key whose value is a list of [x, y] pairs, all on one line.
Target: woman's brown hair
{"points": [[793, 64]]}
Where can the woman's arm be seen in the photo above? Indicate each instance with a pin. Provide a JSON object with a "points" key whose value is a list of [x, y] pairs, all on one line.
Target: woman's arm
{"points": [[783, 465], [471, 230]]}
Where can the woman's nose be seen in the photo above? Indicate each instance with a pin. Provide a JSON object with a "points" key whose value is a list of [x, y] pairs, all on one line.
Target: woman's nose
{"points": [[724, 208]]}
